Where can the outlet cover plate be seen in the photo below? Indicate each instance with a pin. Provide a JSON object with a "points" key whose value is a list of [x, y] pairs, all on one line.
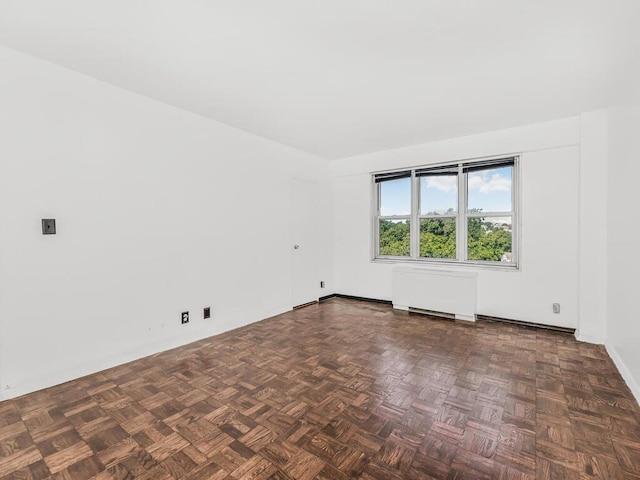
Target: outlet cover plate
{"points": [[185, 317]]}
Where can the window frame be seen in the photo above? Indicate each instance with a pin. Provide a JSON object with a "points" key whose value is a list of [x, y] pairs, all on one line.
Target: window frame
{"points": [[462, 214], [417, 186], [379, 217]]}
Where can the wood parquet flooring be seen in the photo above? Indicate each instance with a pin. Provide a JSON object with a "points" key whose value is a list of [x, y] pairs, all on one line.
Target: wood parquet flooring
{"points": [[343, 389]]}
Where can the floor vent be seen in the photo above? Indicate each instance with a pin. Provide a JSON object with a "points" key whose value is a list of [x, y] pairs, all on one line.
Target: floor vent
{"points": [[433, 313]]}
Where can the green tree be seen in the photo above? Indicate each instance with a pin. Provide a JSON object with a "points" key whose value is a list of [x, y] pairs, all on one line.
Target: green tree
{"points": [[438, 238], [487, 240], [395, 238]]}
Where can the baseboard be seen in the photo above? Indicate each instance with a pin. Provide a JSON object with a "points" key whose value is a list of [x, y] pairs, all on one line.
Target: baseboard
{"points": [[464, 318], [523, 323], [353, 297], [624, 371], [327, 297], [69, 373], [302, 305]]}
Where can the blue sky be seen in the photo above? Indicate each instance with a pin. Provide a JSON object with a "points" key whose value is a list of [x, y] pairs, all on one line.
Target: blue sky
{"points": [[489, 190]]}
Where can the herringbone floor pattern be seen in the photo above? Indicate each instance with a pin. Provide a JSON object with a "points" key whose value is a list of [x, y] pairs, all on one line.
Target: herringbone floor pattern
{"points": [[343, 389]]}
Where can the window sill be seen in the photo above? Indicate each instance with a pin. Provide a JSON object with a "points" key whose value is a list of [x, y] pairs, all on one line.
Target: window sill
{"points": [[447, 265]]}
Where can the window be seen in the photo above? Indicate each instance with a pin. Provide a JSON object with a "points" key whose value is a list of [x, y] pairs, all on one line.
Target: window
{"points": [[461, 213], [394, 217]]}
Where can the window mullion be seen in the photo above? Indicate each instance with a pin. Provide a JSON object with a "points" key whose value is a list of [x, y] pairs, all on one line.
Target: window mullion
{"points": [[415, 206], [376, 235], [461, 226], [515, 234]]}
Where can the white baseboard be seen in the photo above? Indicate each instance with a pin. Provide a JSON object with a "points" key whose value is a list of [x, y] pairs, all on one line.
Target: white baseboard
{"points": [[624, 371], [589, 339]]}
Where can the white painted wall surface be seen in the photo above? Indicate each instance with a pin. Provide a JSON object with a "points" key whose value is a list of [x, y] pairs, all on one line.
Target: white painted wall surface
{"points": [[549, 215], [158, 211], [325, 236], [594, 153], [623, 254]]}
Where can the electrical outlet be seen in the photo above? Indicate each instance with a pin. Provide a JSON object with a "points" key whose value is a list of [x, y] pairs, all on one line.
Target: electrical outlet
{"points": [[48, 226], [556, 308], [321, 283], [185, 317], [206, 313]]}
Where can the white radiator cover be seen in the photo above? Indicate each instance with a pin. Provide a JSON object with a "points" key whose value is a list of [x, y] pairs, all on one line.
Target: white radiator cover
{"points": [[436, 290]]}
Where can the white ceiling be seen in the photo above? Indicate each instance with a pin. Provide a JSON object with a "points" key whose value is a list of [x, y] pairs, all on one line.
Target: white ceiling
{"points": [[343, 77]]}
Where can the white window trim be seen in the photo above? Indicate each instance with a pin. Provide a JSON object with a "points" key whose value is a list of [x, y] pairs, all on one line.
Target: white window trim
{"points": [[461, 215]]}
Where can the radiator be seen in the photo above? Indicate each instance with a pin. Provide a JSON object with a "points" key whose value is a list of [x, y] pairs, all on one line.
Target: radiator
{"points": [[441, 292]]}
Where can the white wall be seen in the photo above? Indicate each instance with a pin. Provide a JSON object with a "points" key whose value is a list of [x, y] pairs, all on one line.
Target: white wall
{"points": [[592, 248], [623, 252], [158, 211], [549, 270]]}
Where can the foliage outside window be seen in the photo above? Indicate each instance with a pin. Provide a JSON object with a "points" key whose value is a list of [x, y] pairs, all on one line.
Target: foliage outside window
{"points": [[462, 213]]}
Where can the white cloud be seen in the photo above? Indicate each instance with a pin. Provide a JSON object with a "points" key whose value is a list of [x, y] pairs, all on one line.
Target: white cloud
{"points": [[443, 183], [485, 184]]}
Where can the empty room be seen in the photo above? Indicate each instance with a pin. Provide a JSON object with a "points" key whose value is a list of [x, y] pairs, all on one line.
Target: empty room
{"points": [[297, 239]]}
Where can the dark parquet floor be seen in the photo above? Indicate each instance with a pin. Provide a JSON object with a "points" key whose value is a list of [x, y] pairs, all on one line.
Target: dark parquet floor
{"points": [[343, 389]]}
